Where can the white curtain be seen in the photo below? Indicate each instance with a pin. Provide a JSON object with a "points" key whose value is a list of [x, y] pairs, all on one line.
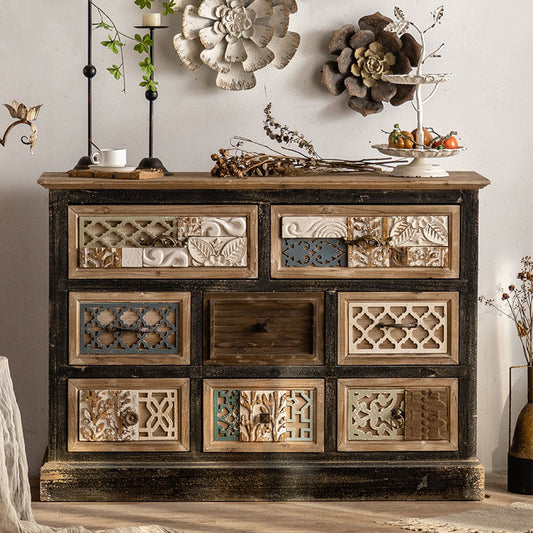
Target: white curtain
{"points": [[15, 502]]}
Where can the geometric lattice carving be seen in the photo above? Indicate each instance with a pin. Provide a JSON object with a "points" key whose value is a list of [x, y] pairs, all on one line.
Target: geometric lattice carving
{"points": [[376, 327], [300, 415], [313, 252], [124, 231], [226, 416], [376, 414], [114, 328], [264, 415], [427, 414], [127, 415]]}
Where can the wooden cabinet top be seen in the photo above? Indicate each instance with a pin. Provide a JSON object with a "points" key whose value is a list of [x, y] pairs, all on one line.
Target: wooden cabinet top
{"points": [[202, 180]]}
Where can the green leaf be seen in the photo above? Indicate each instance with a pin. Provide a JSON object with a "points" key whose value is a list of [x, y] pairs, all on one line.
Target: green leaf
{"points": [[143, 43], [146, 66], [115, 71], [168, 7], [144, 4], [149, 84], [112, 44]]}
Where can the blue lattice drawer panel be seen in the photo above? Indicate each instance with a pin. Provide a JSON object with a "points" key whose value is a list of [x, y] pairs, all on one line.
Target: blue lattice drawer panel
{"points": [[406, 328], [119, 415], [264, 415], [407, 241], [163, 241], [258, 328], [397, 414], [129, 328]]}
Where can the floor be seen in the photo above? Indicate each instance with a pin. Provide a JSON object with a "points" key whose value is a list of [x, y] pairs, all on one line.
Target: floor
{"points": [[331, 517]]}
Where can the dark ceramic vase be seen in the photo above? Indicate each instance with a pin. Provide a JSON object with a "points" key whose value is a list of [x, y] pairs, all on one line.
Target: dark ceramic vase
{"points": [[520, 462]]}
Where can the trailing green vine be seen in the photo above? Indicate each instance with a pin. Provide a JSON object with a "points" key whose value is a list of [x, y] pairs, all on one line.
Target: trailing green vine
{"points": [[116, 39]]}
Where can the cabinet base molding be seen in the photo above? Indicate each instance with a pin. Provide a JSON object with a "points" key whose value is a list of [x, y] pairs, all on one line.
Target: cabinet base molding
{"points": [[259, 481]]}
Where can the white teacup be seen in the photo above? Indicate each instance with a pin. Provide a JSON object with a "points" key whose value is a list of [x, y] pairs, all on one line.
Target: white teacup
{"points": [[115, 157]]}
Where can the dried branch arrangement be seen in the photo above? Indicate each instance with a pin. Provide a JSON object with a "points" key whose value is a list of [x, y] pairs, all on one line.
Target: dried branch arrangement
{"points": [[294, 156], [518, 306]]}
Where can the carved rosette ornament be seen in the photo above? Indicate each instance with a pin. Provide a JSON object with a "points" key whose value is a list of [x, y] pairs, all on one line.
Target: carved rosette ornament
{"points": [[364, 56], [236, 38]]}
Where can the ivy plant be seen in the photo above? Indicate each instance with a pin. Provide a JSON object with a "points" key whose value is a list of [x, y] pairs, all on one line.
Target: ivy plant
{"points": [[116, 40]]}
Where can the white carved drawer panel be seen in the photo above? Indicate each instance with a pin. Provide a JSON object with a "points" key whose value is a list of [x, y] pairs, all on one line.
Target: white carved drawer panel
{"points": [[397, 414], [384, 328], [163, 241], [408, 241], [264, 415], [135, 328], [114, 415]]}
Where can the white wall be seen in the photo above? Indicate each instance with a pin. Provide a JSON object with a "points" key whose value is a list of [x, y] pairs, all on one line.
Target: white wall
{"points": [[42, 51]]}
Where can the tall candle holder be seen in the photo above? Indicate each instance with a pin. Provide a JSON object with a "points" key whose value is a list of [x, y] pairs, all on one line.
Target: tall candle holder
{"points": [[89, 71], [151, 96]]}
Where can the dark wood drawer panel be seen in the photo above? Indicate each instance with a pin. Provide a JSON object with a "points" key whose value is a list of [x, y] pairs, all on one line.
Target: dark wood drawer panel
{"points": [[264, 415], [178, 241], [119, 415], [406, 328], [262, 329], [407, 241], [129, 328], [394, 414]]}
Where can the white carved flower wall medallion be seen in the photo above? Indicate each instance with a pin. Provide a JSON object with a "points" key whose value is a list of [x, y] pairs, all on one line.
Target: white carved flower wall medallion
{"points": [[236, 38]]}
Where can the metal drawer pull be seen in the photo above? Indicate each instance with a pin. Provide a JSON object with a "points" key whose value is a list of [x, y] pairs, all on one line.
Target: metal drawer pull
{"points": [[262, 327], [397, 418], [397, 325], [367, 241], [163, 241], [144, 329]]}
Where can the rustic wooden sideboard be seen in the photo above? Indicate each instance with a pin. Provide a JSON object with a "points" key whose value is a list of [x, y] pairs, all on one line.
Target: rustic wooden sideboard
{"points": [[263, 339]]}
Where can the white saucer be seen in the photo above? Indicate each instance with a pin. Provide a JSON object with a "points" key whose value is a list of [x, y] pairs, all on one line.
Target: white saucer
{"points": [[112, 169]]}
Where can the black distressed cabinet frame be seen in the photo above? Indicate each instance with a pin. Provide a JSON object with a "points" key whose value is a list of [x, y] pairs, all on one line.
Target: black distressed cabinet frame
{"points": [[196, 475]]}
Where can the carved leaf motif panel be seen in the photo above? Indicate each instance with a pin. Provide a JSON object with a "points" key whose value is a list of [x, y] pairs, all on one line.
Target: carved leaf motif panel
{"points": [[314, 227], [375, 414], [116, 328], [264, 415], [375, 327], [128, 415]]}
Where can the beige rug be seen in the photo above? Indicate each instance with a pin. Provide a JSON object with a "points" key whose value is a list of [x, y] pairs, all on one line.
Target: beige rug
{"points": [[514, 518]]}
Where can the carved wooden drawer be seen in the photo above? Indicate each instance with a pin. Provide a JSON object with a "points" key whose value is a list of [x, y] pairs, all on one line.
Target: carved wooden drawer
{"points": [[162, 241], [135, 328], [264, 328], [119, 415], [264, 415], [391, 414], [407, 241], [383, 328]]}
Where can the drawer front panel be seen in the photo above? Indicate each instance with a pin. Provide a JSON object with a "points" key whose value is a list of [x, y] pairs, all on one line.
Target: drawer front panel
{"points": [[397, 414], [262, 329], [129, 328], [128, 415], [261, 415], [163, 241], [365, 241], [398, 328]]}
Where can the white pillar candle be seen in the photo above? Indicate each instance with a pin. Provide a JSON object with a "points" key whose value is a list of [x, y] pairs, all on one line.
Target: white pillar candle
{"points": [[151, 19]]}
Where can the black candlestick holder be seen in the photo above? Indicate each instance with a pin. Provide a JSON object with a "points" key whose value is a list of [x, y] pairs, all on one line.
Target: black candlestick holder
{"points": [[151, 96], [89, 71]]}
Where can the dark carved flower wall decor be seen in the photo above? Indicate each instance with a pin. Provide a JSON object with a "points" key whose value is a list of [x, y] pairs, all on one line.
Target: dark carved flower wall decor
{"points": [[364, 55]]}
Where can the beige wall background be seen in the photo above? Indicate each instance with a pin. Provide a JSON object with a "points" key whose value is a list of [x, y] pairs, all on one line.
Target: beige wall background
{"points": [[489, 47]]}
